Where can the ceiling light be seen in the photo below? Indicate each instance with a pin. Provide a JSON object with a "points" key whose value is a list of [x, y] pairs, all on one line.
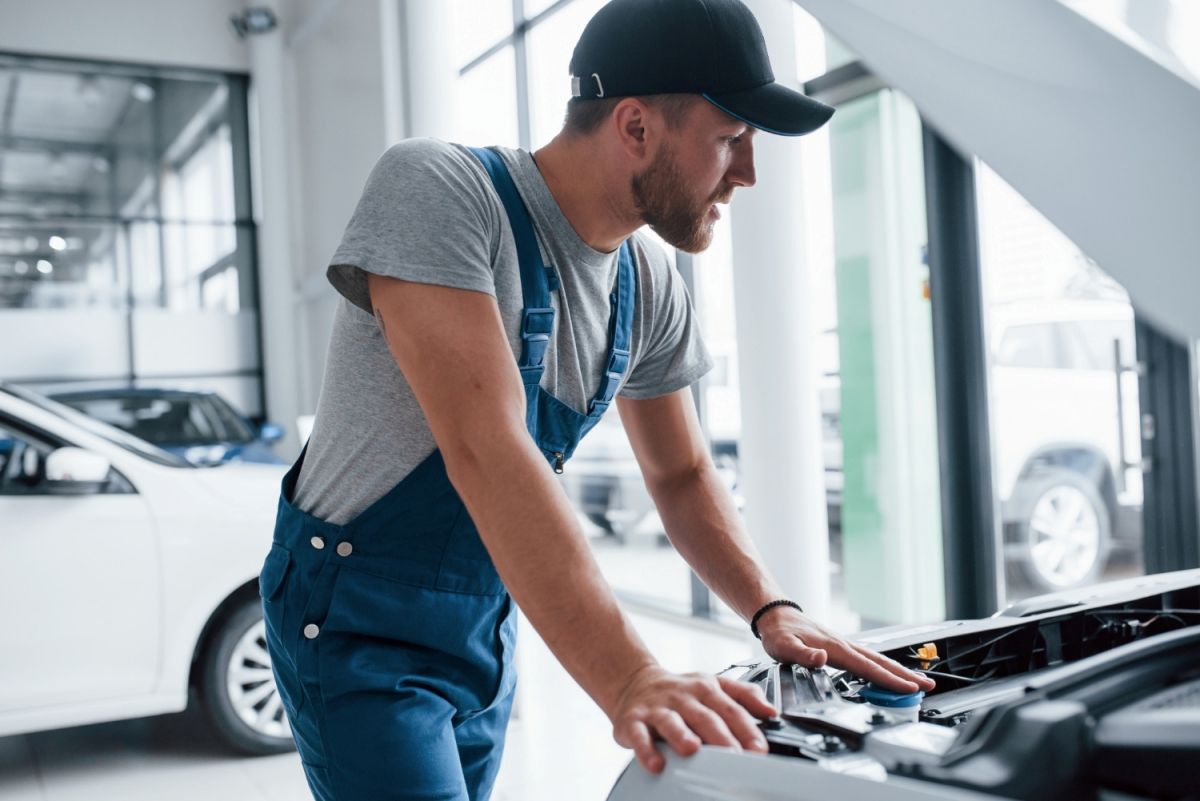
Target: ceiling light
{"points": [[100, 164], [20, 268], [58, 243], [45, 267], [31, 243], [143, 92]]}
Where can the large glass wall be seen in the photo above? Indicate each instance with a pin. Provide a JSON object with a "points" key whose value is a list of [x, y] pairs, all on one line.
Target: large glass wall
{"points": [[124, 211], [1064, 402]]}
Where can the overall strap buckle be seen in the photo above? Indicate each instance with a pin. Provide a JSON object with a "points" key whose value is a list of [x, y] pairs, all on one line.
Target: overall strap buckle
{"points": [[537, 325], [614, 371]]}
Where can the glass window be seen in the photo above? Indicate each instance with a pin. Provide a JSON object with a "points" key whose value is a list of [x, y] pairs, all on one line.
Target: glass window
{"points": [[817, 50], [108, 142], [60, 263], [877, 399], [487, 103], [167, 420], [864, 238], [534, 7], [550, 45], [1031, 346], [479, 24], [1066, 445]]}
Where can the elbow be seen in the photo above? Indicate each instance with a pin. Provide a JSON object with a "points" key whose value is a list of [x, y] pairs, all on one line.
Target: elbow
{"points": [[473, 453], [682, 477]]}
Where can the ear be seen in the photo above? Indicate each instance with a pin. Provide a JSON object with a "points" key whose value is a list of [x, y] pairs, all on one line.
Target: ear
{"points": [[631, 117]]}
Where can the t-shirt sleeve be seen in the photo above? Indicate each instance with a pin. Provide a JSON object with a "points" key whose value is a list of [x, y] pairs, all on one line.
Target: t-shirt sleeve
{"points": [[673, 351], [425, 215]]}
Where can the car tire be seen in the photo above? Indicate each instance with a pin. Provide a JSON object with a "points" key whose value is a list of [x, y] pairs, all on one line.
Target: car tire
{"points": [[237, 688], [1065, 535]]}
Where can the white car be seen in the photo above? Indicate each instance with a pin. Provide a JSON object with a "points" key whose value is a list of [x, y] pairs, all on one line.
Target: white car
{"points": [[1066, 435], [128, 577]]}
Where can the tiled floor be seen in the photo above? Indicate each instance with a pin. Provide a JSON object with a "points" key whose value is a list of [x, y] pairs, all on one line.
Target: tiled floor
{"points": [[559, 744]]}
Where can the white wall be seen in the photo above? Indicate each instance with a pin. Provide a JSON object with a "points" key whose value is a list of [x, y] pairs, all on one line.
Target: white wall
{"points": [[165, 32]]}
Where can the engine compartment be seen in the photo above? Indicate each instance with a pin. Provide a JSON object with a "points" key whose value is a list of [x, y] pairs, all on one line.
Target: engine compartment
{"points": [[1059, 697]]}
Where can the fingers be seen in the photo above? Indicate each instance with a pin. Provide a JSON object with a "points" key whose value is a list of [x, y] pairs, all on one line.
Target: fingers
{"points": [[851, 658], [894, 667], [795, 651], [748, 695], [710, 726], [636, 735], [736, 721], [687, 711], [670, 726]]}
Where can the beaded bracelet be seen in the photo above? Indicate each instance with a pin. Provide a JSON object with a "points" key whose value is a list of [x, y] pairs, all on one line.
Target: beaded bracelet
{"points": [[767, 608]]}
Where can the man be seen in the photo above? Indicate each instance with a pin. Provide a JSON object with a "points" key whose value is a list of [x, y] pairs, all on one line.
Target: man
{"points": [[496, 303]]}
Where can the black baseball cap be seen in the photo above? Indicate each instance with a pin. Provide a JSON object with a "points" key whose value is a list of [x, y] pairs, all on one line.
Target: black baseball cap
{"points": [[713, 48]]}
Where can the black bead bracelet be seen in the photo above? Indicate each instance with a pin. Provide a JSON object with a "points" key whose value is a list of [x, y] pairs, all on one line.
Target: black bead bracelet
{"points": [[767, 608]]}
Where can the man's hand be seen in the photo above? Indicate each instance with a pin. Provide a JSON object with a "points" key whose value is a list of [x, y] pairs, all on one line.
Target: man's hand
{"points": [[793, 637], [687, 711]]}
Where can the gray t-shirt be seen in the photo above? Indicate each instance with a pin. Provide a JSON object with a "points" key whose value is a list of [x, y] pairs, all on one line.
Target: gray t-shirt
{"points": [[429, 214]]}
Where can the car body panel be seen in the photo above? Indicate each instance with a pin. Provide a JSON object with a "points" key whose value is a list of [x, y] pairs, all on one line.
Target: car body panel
{"points": [[204, 535]]}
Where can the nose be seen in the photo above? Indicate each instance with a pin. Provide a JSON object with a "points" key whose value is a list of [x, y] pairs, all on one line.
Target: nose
{"points": [[741, 171]]}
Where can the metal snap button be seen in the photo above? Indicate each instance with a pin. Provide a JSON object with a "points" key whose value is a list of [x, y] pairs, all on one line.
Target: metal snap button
{"points": [[318, 543], [311, 631], [344, 549]]}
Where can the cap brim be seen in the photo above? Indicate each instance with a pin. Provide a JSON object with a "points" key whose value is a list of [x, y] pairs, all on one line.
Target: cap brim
{"points": [[774, 108]]}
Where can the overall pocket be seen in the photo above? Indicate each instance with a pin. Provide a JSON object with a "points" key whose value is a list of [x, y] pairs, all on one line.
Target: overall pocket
{"points": [[274, 571]]}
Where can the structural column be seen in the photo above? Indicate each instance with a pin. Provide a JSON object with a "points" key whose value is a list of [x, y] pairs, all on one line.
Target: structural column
{"points": [[273, 194], [781, 445]]}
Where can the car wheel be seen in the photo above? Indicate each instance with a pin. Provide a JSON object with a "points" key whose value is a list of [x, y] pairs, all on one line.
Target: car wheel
{"points": [[1065, 536], [238, 688]]}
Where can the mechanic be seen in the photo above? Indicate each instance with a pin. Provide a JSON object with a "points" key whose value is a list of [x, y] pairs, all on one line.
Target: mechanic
{"points": [[495, 304]]}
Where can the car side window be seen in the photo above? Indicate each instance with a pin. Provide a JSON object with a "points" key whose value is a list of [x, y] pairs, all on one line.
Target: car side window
{"points": [[22, 464], [1029, 346], [1096, 339]]}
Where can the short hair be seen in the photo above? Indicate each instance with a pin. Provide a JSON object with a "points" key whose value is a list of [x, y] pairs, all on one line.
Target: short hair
{"points": [[586, 116]]}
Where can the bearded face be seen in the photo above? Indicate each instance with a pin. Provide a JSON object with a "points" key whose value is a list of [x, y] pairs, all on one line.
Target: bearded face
{"points": [[669, 207]]}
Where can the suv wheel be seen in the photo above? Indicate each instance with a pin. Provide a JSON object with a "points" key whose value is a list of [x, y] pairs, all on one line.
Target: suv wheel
{"points": [[238, 688], [1066, 533]]}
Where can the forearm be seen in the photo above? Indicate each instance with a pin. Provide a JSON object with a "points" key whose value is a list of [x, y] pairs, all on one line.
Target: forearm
{"points": [[704, 525], [543, 557]]}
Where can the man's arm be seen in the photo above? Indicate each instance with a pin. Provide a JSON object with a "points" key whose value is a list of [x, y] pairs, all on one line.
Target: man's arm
{"points": [[451, 347], [703, 524]]}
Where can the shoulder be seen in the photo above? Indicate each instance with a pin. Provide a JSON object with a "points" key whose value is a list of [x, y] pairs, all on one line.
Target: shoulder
{"points": [[424, 177], [429, 160], [657, 276]]}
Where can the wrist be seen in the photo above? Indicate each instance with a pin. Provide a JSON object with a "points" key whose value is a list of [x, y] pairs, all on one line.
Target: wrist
{"points": [[772, 615], [613, 695]]}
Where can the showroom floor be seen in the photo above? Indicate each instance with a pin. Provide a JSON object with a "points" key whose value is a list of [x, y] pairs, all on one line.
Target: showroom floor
{"points": [[559, 744]]}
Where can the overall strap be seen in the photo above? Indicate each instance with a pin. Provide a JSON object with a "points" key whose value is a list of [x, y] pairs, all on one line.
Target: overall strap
{"points": [[620, 330], [537, 316]]}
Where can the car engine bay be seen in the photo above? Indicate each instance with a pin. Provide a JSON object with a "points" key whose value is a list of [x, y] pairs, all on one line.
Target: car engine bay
{"points": [[1087, 695]]}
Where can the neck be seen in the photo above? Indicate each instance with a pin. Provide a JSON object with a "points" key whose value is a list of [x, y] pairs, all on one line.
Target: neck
{"points": [[593, 197]]}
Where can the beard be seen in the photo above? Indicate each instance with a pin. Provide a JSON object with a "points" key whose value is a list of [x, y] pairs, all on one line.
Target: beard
{"points": [[661, 198]]}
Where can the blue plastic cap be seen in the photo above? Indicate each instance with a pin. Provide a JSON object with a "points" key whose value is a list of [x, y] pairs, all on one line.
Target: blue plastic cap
{"points": [[881, 697]]}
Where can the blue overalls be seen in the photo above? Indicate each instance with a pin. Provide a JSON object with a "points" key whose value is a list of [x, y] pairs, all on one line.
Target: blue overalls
{"points": [[391, 637]]}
